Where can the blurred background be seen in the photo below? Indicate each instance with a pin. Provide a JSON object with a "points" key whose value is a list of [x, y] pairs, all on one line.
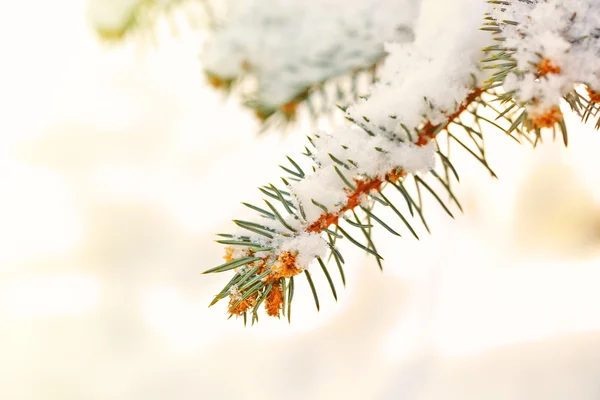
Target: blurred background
{"points": [[118, 164]]}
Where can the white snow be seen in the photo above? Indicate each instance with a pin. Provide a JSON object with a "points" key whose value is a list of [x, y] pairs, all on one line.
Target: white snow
{"points": [[308, 246], [438, 69], [289, 45], [234, 293], [373, 157], [324, 186]]}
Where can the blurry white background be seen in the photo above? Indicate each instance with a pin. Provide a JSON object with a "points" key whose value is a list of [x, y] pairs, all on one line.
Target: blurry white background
{"points": [[117, 167]]}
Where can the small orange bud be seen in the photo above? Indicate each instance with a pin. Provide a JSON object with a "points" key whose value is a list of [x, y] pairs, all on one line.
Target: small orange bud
{"points": [[263, 113], [216, 81], [594, 96], [285, 266], [289, 109], [244, 306], [395, 176], [229, 254], [546, 67], [544, 120], [274, 301]]}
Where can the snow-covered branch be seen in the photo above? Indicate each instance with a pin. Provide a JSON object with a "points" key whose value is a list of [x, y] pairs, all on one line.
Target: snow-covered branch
{"points": [[288, 48], [435, 82], [351, 167], [547, 48]]}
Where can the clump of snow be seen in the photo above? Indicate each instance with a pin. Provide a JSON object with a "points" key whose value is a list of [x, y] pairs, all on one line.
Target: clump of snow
{"points": [[428, 79], [307, 245], [324, 186], [234, 293], [364, 157], [236, 252], [372, 155], [565, 33], [289, 45]]}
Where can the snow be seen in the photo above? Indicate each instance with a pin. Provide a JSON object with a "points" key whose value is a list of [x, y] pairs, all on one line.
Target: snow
{"points": [[234, 293], [288, 46], [324, 186], [436, 69], [372, 156], [308, 246]]}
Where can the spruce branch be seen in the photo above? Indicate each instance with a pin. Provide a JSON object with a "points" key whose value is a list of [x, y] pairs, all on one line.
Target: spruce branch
{"points": [[264, 258], [396, 133], [312, 71], [541, 62]]}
